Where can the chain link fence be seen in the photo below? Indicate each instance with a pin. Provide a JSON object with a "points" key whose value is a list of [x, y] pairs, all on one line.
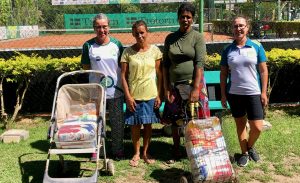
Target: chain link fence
{"points": [[67, 43], [64, 40]]}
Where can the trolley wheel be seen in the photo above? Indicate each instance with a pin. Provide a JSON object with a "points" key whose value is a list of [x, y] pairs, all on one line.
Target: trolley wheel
{"points": [[183, 179], [110, 167]]}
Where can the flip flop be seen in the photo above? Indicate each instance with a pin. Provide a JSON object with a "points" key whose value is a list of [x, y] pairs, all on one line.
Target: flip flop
{"points": [[148, 159], [134, 162]]}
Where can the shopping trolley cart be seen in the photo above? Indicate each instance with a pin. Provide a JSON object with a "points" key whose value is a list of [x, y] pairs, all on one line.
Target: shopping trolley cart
{"points": [[206, 149]]}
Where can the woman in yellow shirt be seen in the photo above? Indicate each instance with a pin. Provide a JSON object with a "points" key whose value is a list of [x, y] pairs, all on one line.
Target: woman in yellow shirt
{"points": [[142, 83]]}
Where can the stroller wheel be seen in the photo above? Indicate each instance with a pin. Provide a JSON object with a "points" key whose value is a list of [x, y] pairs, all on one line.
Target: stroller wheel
{"points": [[183, 179], [110, 167]]}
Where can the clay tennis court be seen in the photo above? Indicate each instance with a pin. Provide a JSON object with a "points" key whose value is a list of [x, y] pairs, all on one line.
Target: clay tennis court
{"points": [[76, 40]]}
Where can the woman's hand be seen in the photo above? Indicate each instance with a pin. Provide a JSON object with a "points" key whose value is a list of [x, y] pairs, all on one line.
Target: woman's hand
{"points": [[264, 99], [157, 102], [194, 95], [130, 102], [169, 96], [224, 102]]}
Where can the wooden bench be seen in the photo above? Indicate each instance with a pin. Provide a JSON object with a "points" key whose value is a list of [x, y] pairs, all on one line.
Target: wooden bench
{"points": [[212, 79]]}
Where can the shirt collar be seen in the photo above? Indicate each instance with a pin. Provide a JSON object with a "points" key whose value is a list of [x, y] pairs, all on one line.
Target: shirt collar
{"points": [[247, 44]]}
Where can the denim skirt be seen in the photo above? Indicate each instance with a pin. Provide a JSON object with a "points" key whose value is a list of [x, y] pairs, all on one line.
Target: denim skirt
{"points": [[144, 113]]}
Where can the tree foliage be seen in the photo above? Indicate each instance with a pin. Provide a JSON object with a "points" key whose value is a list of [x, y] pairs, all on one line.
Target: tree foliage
{"points": [[19, 12], [26, 70], [4, 12]]}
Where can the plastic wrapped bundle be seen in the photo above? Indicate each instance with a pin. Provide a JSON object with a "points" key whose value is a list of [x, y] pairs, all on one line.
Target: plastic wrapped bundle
{"points": [[79, 127], [76, 135], [206, 150]]}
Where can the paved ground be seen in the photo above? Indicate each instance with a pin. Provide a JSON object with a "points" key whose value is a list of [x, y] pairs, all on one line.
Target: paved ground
{"points": [[76, 40]]}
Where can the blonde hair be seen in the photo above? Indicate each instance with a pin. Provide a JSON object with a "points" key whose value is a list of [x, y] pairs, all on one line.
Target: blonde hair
{"points": [[100, 16]]}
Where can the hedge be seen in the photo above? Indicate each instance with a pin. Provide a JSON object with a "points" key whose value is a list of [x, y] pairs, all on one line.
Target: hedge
{"points": [[25, 71]]}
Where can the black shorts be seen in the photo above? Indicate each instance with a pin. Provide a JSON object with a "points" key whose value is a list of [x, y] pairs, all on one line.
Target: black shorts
{"points": [[241, 105]]}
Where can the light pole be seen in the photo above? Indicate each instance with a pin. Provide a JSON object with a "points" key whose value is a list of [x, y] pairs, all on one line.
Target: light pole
{"points": [[201, 5]]}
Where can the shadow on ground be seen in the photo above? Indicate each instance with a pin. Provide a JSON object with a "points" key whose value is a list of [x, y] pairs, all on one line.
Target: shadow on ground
{"points": [[31, 171], [169, 175], [42, 145]]}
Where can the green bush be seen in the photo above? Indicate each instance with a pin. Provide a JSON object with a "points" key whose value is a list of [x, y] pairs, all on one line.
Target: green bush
{"points": [[212, 62], [27, 70], [287, 28]]}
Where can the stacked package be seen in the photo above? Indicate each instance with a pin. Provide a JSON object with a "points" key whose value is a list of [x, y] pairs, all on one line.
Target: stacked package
{"points": [[79, 129], [82, 113], [206, 149]]}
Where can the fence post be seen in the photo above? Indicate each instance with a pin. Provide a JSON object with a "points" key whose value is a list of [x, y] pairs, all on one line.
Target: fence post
{"points": [[201, 16]]}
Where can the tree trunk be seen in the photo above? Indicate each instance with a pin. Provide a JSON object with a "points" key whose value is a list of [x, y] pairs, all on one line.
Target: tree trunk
{"points": [[3, 114], [20, 98]]}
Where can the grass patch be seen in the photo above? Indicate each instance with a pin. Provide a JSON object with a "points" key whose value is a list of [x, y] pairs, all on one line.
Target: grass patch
{"points": [[262, 177], [264, 167], [281, 170], [279, 149], [296, 167]]}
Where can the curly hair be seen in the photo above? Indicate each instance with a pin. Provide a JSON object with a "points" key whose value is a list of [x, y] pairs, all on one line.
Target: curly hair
{"points": [[189, 7]]}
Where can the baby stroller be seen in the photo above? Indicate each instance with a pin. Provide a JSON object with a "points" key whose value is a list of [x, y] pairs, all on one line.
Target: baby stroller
{"points": [[206, 149], [78, 124]]}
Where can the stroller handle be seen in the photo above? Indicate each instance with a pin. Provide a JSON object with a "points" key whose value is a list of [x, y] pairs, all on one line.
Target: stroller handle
{"points": [[78, 72], [73, 73]]}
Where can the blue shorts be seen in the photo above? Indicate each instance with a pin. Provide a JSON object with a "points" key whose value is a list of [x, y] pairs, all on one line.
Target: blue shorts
{"points": [[241, 105], [144, 113]]}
